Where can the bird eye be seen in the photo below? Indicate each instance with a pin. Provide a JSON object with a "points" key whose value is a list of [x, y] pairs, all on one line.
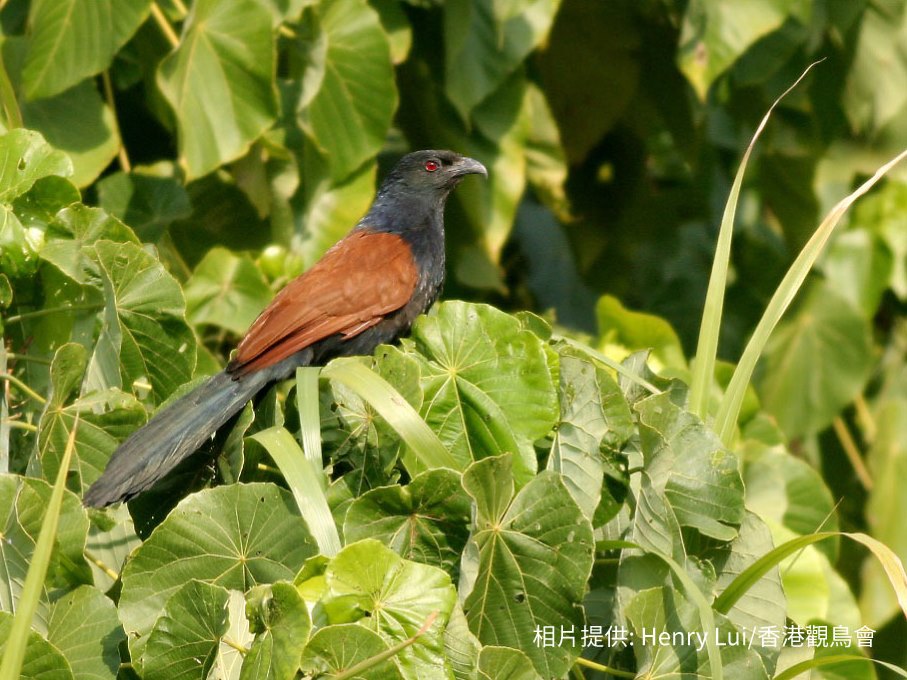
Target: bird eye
{"points": [[431, 166]]}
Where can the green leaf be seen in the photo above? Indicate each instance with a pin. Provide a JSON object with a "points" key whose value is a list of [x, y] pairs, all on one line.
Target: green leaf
{"points": [[657, 610], [425, 521], [71, 230], [885, 507], [426, 449], [859, 266], [186, 637], [233, 536], [816, 363], [111, 538], [327, 208], [26, 159], [482, 50], [698, 476], [144, 333], [73, 39], [84, 626], [334, 649], [106, 418], [147, 202], [505, 663], [79, 123], [42, 660], [785, 490], [57, 520], [220, 82], [369, 583], [729, 410], [534, 556], [282, 621], [488, 386], [306, 480], [226, 290], [589, 81], [872, 93], [23, 505], [349, 94], [764, 604], [633, 331], [592, 409], [713, 36]]}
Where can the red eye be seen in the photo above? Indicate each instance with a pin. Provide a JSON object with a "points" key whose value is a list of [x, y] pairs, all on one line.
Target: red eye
{"points": [[431, 166]]}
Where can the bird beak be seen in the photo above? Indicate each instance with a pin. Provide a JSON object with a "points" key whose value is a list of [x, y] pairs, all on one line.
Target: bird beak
{"points": [[469, 166]]}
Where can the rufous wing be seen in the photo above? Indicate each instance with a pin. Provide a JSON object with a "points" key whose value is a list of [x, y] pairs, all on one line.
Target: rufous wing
{"points": [[351, 288]]}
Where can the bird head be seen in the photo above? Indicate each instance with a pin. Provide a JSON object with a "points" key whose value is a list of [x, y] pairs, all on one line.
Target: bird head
{"points": [[434, 172]]}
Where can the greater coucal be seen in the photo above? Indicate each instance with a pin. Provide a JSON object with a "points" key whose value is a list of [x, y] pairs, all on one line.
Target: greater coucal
{"points": [[365, 291]]}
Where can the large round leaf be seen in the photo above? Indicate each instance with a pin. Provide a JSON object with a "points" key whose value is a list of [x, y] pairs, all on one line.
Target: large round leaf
{"points": [[369, 583], [233, 536], [816, 363], [73, 39], [487, 381], [349, 96], [535, 554], [220, 82], [425, 521], [84, 626]]}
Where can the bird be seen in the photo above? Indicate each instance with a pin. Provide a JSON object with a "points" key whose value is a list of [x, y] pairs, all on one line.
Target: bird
{"points": [[366, 290]]}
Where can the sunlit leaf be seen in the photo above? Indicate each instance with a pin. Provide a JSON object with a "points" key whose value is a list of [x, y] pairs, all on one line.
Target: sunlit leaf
{"points": [[425, 521], [219, 82], [282, 624], [534, 556], [226, 290], [369, 583], [233, 536], [348, 115], [73, 39], [794, 385], [84, 626]]}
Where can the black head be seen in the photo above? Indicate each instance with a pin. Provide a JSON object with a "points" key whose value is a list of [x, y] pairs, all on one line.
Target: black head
{"points": [[430, 173]]}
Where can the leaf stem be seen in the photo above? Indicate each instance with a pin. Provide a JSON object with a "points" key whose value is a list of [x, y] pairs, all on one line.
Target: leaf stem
{"points": [[162, 22], [100, 565], [362, 666], [19, 425], [22, 387], [122, 156], [17, 318], [8, 99], [15, 356], [852, 452], [604, 669], [865, 418]]}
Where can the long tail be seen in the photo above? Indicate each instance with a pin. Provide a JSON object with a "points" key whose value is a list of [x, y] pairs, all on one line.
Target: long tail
{"points": [[172, 435]]}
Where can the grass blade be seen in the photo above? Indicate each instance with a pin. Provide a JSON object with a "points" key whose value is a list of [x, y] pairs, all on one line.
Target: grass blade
{"points": [[726, 418], [309, 418], [706, 615], [390, 404], [745, 580], [709, 328], [806, 666], [306, 482], [37, 570]]}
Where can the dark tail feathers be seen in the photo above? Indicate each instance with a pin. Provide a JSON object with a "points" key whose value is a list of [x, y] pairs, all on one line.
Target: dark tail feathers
{"points": [[172, 435]]}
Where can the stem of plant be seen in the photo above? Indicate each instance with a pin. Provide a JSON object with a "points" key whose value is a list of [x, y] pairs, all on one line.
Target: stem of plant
{"points": [[852, 452], [22, 387], [604, 669], [18, 318], [161, 20], [122, 156]]}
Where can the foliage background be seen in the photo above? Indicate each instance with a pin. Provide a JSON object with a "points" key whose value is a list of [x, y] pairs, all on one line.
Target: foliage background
{"points": [[243, 138]]}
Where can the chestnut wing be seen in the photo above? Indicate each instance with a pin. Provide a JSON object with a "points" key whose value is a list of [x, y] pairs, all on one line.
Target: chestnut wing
{"points": [[354, 286]]}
